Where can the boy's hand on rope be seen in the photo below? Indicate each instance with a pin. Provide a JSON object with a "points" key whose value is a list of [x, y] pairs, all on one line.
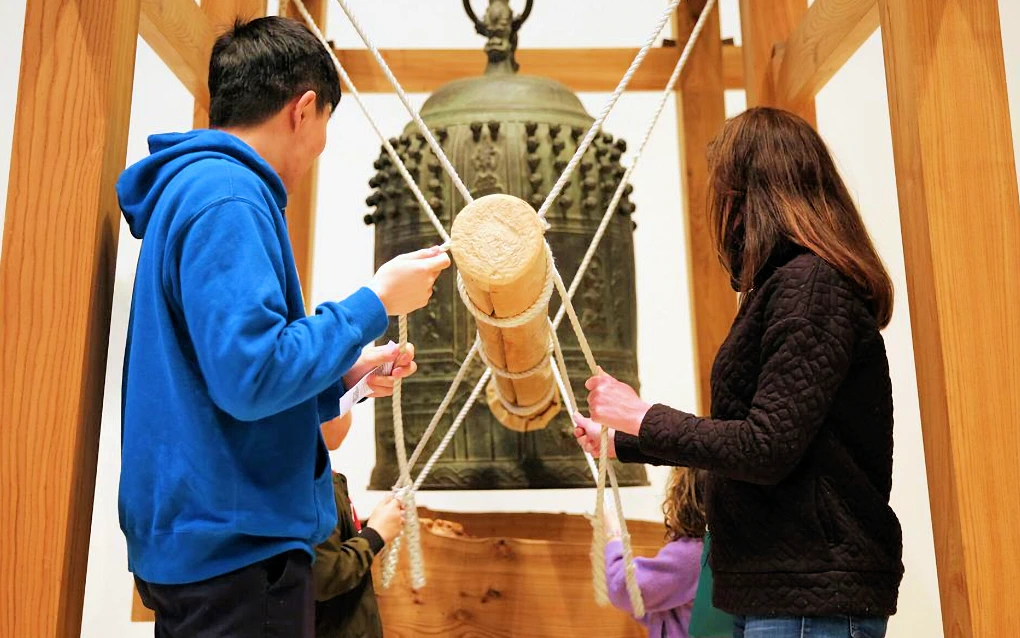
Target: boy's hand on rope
{"points": [[589, 436], [615, 404], [375, 356], [404, 284], [388, 518]]}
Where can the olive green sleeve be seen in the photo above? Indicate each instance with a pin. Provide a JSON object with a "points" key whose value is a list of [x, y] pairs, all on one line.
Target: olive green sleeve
{"points": [[341, 565]]}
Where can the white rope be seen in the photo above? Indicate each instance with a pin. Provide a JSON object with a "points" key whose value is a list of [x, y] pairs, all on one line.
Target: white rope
{"points": [[411, 527], [597, 125], [535, 310], [503, 373], [461, 416], [426, 133], [630, 571], [570, 410], [399, 163], [411, 522], [526, 411], [582, 341], [598, 550], [445, 403], [666, 98]]}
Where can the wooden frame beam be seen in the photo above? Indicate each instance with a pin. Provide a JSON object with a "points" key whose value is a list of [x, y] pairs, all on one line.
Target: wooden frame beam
{"points": [[302, 199], [766, 25], [220, 15], [182, 36], [701, 113], [960, 217], [56, 286], [830, 32], [582, 70]]}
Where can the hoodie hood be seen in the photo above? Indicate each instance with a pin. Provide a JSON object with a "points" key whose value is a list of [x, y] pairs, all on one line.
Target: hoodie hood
{"points": [[141, 185]]}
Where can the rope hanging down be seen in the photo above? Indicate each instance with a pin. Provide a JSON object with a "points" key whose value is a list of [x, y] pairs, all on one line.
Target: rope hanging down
{"points": [[412, 530], [567, 294], [598, 549]]}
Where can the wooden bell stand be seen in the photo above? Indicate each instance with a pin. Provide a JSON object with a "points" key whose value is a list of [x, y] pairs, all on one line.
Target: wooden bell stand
{"points": [[959, 210]]}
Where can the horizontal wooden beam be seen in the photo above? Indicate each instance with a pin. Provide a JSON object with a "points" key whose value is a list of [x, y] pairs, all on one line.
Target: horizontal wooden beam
{"points": [[182, 36], [830, 32], [594, 70]]}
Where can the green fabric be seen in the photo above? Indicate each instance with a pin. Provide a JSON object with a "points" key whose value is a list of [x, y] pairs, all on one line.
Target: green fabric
{"points": [[706, 620], [346, 606]]}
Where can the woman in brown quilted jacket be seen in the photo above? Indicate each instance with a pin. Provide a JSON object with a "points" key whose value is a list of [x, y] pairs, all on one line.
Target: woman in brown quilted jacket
{"points": [[799, 442]]}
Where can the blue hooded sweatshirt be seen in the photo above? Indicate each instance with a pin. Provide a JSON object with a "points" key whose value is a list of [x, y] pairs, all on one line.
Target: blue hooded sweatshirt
{"points": [[226, 381]]}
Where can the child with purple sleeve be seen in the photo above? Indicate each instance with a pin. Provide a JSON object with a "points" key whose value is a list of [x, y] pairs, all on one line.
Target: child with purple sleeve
{"points": [[669, 580]]}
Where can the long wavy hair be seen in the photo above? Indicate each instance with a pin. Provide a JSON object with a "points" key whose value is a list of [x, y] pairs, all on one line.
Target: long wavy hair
{"points": [[772, 181], [683, 508]]}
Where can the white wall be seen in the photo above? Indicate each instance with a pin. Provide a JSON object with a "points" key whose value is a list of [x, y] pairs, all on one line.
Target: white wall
{"points": [[12, 19], [853, 116]]}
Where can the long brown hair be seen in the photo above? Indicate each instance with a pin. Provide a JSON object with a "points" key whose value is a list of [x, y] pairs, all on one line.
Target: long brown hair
{"points": [[685, 514], [772, 181]]}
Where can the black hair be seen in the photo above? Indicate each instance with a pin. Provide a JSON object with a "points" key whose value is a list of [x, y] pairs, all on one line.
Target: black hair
{"points": [[258, 66]]}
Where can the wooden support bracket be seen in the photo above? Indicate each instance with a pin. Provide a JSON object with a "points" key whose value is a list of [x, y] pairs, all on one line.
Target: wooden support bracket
{"points": [[830, 32], [182, 36]]}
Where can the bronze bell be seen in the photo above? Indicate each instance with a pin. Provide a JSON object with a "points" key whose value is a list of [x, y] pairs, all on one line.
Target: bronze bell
{"points": [[506, 133]]}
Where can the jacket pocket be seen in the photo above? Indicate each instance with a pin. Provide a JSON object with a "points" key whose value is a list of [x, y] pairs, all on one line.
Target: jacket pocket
{"points": [[829, 509]]}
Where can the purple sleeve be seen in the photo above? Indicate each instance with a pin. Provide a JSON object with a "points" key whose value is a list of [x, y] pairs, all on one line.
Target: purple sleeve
{"points": [[668, 580]]}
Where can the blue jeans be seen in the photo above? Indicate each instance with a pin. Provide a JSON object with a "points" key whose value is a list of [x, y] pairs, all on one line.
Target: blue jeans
{"points": [[807, 627]]}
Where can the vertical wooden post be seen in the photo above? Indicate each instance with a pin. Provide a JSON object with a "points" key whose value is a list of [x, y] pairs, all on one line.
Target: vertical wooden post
{"points": [[301, 202], [56, 290], [221, 15], [961, 237], [701, 112], [765, 25]]}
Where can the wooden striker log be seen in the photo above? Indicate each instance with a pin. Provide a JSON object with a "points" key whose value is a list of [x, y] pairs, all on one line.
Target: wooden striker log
{"points": [[499, 249]]}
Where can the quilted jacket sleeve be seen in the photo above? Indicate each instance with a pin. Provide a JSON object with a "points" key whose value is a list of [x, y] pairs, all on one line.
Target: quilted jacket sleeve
{"points": [[628, 450], [805, 355]]}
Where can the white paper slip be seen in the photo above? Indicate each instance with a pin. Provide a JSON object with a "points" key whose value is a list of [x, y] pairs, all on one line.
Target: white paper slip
{"points": [[361, 390]]}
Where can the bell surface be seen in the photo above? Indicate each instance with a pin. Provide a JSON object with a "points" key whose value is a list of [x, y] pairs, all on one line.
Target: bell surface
{"points": [[512, 134]]}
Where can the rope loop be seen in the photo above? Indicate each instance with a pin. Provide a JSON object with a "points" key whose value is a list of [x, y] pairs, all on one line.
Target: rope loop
{"points": [[525, 411], [503, 373], [537, 309]]}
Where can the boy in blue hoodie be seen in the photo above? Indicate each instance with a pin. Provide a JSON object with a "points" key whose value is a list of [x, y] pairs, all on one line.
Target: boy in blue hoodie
{"points": [[225, 483]]}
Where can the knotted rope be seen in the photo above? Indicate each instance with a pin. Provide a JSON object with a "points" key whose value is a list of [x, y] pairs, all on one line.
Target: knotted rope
{"points": [[412, 530]]}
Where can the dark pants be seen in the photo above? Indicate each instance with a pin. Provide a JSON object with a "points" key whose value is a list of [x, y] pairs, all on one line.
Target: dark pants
{"points": [[270, 599]]}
